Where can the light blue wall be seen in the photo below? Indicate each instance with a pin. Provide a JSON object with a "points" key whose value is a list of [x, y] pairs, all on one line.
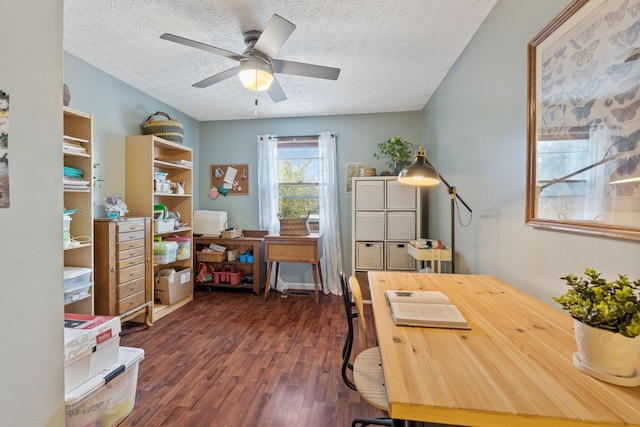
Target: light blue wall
{"points": [[118, 111], [474, 128], [234, 141]]}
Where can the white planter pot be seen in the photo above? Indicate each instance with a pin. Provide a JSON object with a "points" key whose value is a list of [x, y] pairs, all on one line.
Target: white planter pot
{"points": [[606, 351]]}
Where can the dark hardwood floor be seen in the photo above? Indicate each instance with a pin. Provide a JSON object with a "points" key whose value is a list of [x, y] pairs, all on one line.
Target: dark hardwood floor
{"points": [[232, 359]]}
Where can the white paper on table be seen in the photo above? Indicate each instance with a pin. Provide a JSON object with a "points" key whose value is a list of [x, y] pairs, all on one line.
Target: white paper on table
{"points": [[230, 175]]}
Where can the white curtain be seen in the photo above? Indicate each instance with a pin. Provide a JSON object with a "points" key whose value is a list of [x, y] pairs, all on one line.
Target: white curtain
{"points": [[331, 261], [268, 173]]}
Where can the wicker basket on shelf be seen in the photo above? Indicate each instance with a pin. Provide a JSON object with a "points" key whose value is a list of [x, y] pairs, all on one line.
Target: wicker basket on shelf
{"points": [[231, 231], [211, 256]]}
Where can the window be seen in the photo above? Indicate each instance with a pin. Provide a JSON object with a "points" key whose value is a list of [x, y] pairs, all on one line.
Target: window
{"points": [[298, 178]]}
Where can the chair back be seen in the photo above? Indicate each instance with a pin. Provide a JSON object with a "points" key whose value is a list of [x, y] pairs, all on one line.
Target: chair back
{"points": [[348, 342], [357, 296]]}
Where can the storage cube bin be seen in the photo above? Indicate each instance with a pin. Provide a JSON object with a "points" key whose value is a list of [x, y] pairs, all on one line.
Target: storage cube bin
{"points": [[401, 196], [401, 225], [76, 276], [398, 257], [369, 194], [107, 398], [164, 252], [369, 255], [369, 225]]}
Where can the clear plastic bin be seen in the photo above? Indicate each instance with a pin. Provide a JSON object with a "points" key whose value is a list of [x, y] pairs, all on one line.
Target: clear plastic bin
{"points": [[107, 398], [76, 276], [165, 252]]}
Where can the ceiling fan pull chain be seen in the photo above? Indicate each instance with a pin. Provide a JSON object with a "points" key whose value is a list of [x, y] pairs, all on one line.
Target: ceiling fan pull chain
{"points": [[255, 113]]}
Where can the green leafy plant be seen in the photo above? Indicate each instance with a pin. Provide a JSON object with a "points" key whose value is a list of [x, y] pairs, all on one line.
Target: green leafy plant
{"points": [[397, 150], [97, 178], [612, 306]]}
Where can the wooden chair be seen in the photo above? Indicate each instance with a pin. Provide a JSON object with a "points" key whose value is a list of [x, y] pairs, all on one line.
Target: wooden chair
{"points": [[368, 378]]}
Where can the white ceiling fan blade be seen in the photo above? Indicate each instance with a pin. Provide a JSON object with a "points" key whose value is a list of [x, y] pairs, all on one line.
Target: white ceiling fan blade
{"points": [[302, 69], [275, 91], [202, 46], [274, 35], [216, 78]]}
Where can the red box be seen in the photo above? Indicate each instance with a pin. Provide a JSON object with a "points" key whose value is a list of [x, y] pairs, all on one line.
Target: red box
{"points": [[227, 275]]}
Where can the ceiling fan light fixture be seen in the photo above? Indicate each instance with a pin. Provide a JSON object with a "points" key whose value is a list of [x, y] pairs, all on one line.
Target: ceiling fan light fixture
{"points": [[255, 74]]}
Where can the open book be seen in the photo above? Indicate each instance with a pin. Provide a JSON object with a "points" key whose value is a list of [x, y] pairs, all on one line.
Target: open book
{"points": [[431, 309]]}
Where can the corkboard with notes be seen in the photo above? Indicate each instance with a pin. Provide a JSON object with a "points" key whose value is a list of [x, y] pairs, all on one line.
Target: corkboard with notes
{"points": [[233, 178]]}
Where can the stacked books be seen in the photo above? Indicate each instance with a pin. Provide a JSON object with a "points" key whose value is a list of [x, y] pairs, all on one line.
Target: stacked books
{"points": [[73, 145], [72, 179], [430, 309]]}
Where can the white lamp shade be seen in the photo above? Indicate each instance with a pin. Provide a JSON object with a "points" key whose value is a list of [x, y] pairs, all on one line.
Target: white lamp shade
{"points": [[255, 75]]}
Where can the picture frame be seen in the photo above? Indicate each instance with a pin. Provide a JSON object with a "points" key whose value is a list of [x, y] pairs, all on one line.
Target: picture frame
{"points": [[583, 121], [352, 169], [230, 180]]}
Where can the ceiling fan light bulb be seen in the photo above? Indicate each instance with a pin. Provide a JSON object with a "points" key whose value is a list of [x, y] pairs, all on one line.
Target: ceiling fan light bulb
{"points": [[255, 75]]}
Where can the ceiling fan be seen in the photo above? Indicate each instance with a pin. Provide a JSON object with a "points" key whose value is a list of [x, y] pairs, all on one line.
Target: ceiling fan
{"points": [[257, 65]]}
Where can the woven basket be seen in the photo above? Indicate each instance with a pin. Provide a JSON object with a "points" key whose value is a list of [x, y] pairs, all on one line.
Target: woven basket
{"points": [[294, 226], [231, 231], [169, 129], [211, 256]]}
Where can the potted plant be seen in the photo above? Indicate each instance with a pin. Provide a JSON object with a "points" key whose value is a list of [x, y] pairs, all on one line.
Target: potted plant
{"points": [[606, 322], [397, 150]]}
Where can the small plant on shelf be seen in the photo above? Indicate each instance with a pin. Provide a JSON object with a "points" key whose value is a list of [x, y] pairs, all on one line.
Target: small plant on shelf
{"points": [[397, 150]]}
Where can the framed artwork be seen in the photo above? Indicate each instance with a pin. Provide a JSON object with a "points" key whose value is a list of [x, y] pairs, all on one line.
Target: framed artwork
{"points": [[350, 170], [583, 148], [230, 180], [4, 149]]}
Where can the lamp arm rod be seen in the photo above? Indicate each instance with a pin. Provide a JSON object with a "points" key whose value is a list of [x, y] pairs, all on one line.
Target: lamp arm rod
{"points": [[451, 190]]}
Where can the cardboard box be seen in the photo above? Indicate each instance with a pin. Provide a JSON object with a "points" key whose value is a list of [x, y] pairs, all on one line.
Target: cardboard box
{"points": [[173, 288], [91, 345]]}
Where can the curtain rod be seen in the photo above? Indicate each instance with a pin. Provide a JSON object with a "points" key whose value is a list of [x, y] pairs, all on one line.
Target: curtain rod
{"points": [[298, 136]]}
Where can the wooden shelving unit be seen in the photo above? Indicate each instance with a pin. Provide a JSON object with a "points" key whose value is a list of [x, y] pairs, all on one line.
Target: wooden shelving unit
{"points": [[78, 130], [145, 155], [252, 241]]}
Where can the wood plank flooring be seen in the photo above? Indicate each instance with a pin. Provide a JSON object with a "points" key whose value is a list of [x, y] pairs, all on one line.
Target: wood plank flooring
{"points": [[231, 359]]}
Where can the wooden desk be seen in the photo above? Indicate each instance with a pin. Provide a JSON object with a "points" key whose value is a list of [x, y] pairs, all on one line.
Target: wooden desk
{"points": [[513, 368], [432, 256], [298, 249]]}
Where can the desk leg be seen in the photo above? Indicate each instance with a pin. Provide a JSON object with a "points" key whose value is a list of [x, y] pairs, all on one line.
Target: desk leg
{"points": [[314, 268], [268, 282], [321, 279]]}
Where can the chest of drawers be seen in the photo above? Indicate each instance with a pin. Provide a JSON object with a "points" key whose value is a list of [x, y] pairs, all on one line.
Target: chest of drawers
{"points": [[123, 267]]}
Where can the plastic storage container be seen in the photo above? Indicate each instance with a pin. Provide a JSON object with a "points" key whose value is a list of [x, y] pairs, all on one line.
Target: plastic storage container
{"points": [[164, 252], [184, 246], [107, 398], [76, 276], [77, 293]]}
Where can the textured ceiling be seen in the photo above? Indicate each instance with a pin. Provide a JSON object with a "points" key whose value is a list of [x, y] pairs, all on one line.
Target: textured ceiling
{"points": [[392, 54]]}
